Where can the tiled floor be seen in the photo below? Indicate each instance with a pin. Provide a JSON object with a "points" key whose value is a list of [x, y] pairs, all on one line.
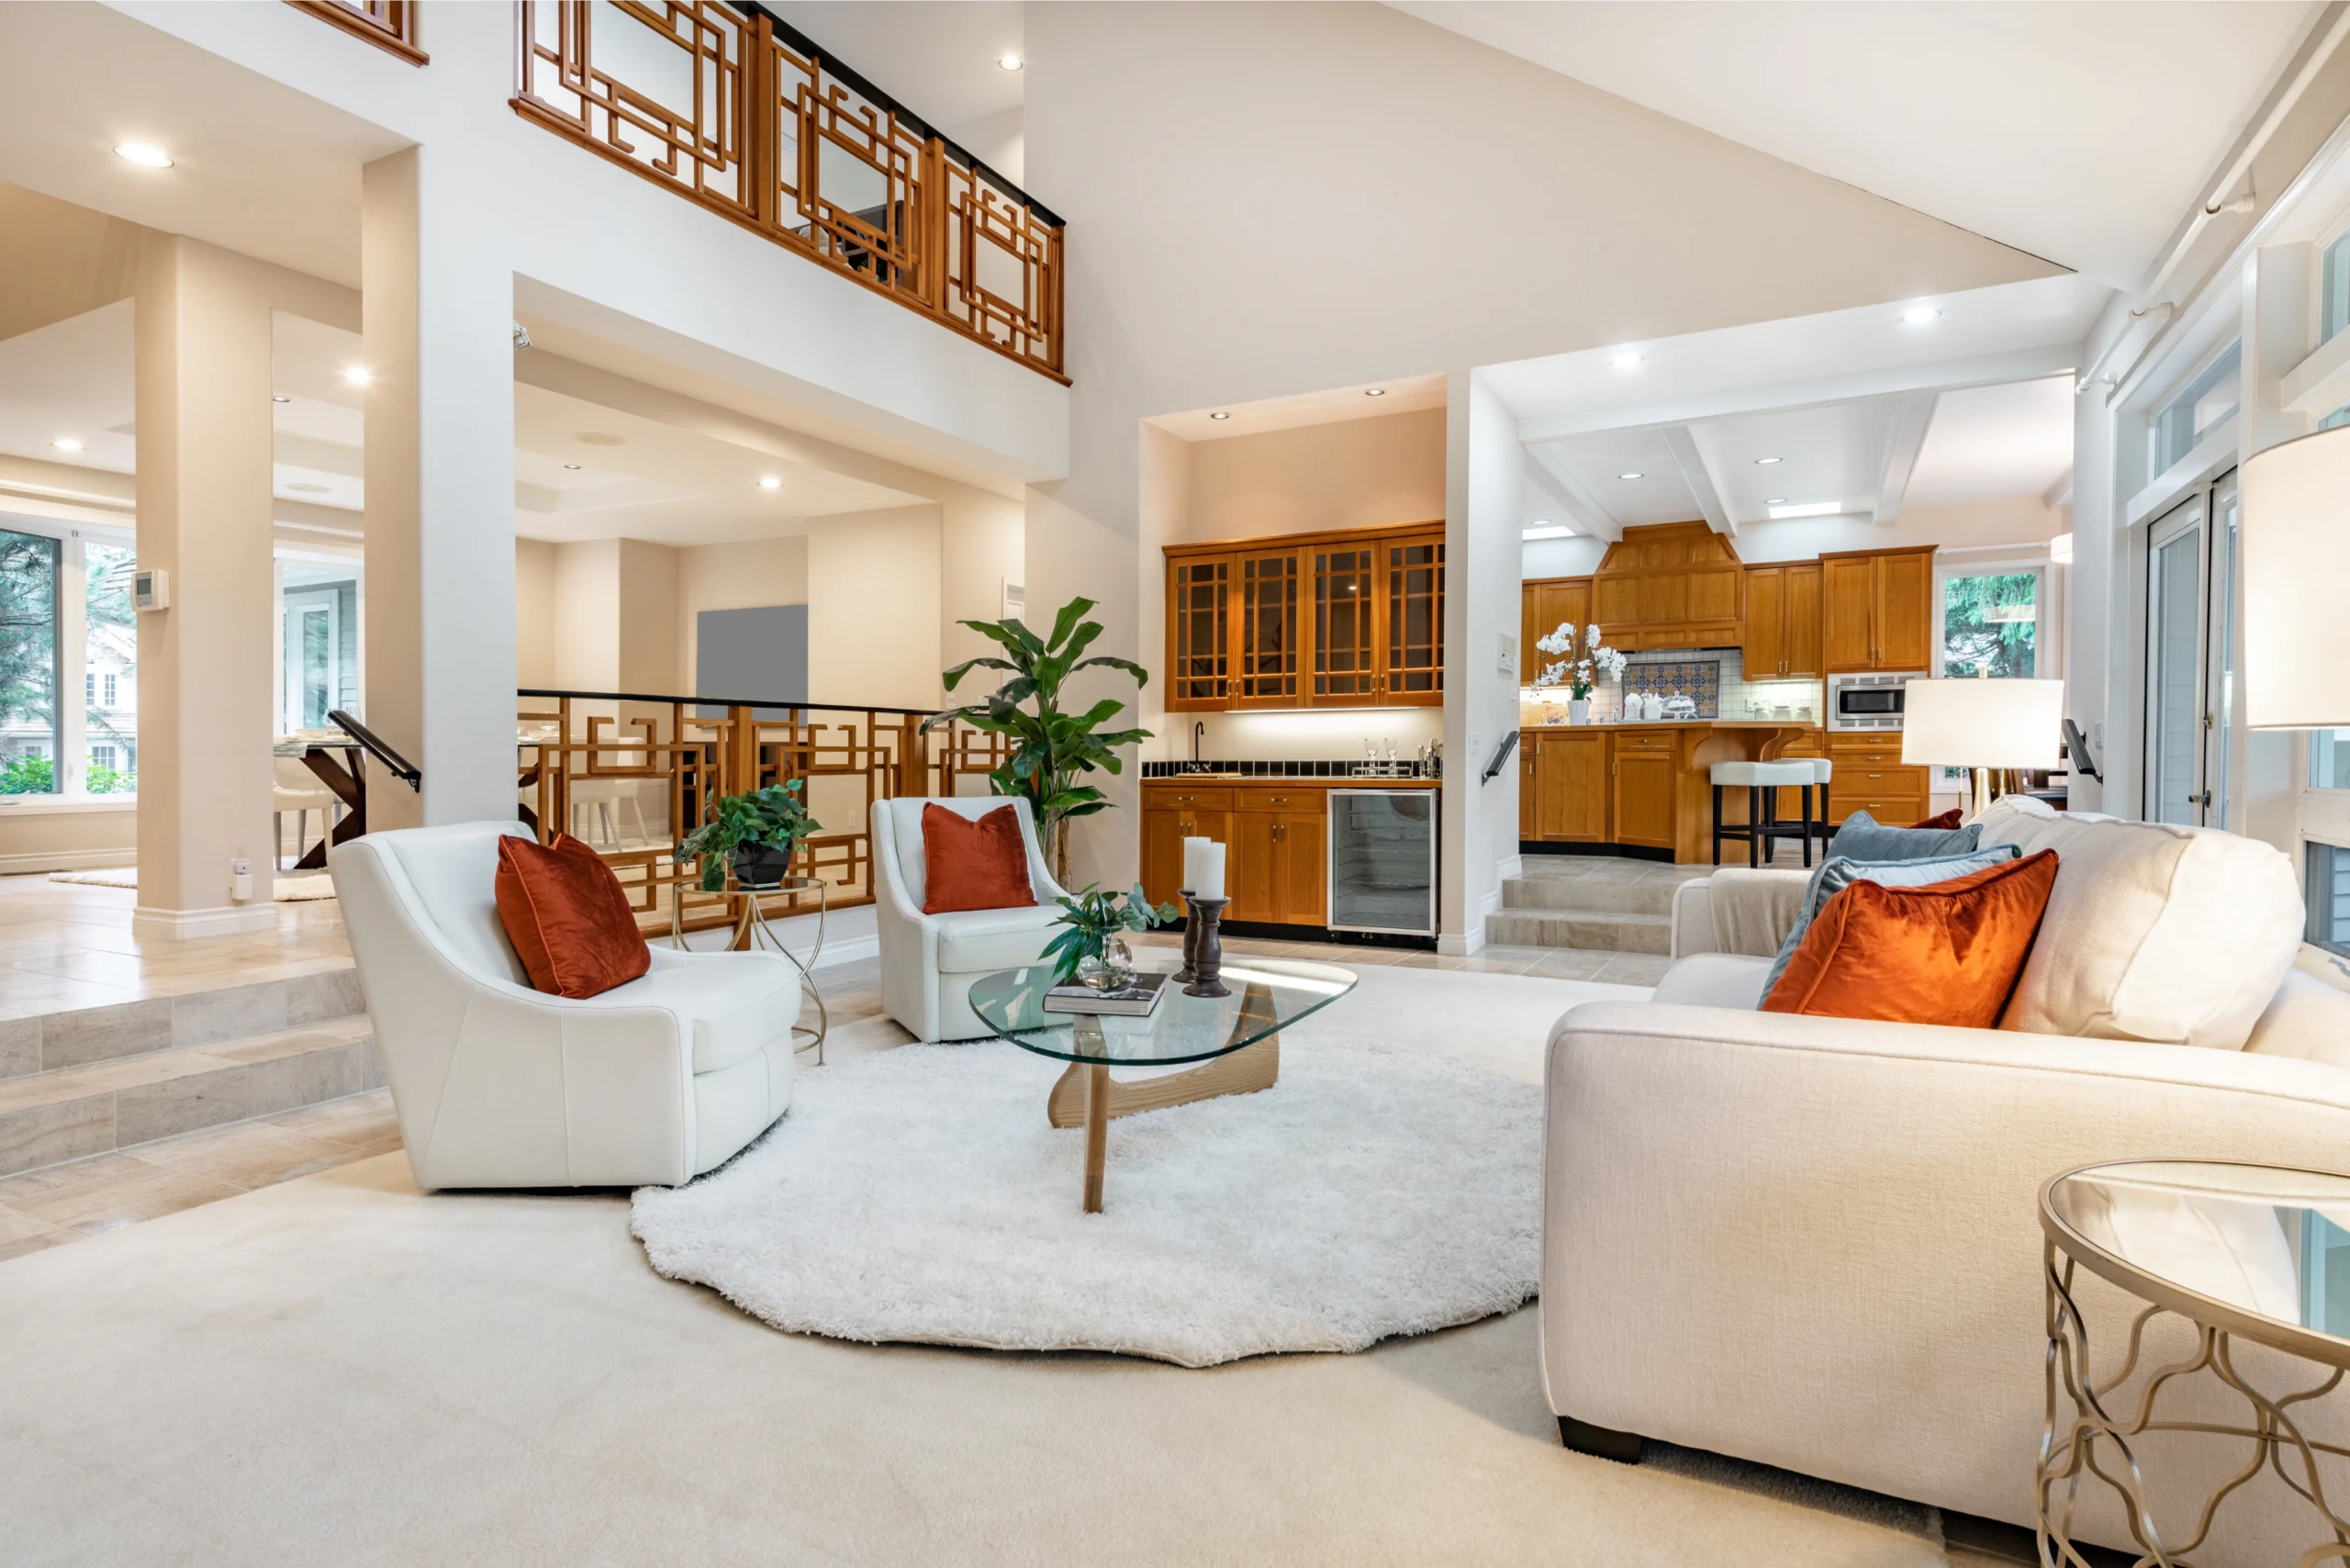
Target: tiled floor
{"points": [[64, 945]]}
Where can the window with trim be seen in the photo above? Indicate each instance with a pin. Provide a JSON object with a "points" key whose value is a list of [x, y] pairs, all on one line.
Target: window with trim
{"points": [[41, 672], [2326, 891], [29, 732], [2208, 400], [1991, 624], [110, 654], [2334, 290]]}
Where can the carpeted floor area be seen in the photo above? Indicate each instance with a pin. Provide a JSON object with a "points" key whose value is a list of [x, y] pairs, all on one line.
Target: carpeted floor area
{"points": [[342, 1370]]}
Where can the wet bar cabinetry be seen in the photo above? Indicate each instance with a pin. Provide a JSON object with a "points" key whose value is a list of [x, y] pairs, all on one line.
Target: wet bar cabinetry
{"points": [[1278, 830], [1350, 618]]}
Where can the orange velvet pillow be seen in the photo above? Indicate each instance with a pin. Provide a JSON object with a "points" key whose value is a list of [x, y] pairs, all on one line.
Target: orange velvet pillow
{"points": [[1946, 821], [567, 918], [973, 862], [1945, 953]]}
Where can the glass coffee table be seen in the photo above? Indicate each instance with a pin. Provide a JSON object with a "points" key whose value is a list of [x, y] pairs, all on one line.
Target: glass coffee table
{"points": [[2252, 1253], [1235, 1039]]}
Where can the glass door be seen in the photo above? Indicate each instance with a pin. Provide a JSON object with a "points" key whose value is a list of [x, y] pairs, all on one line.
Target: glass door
{"points": [[2190, 658], [312, 640]]}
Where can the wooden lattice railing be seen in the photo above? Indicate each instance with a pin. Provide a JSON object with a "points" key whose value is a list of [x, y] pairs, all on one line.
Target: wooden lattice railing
{"points": [[733, 109], [389, 24], [630, 774]]}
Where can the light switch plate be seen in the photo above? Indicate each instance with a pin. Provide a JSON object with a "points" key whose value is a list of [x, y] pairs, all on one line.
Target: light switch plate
{"points": [[1505, 661]]}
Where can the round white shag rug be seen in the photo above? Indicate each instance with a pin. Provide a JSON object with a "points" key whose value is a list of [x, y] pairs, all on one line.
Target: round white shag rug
{"points": [[920, 1194]]}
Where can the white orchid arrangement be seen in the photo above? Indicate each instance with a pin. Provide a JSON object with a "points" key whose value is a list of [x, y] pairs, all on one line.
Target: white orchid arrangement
{"points": [[1586, 660]]}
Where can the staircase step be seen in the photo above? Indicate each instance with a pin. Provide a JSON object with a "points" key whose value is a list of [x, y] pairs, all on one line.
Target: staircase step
{"points": [[51, 1042], [1591, 929], [72, 1113], [1609, 895]]}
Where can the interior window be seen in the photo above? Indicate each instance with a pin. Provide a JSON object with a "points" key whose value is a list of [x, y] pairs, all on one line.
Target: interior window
{"points": [[2327, 891], [2210, 399]]}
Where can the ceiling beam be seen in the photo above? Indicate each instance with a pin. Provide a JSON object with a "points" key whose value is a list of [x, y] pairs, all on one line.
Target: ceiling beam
{"points": [[1551, 478], [2059, 494], [1697, 471], [1910, 415]]}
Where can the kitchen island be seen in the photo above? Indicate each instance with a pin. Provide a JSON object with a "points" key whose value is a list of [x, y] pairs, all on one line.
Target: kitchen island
{"points": [[1644, 790]]}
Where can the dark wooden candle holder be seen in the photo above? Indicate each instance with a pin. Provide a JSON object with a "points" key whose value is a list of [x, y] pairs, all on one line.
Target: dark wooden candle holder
{"points": [[1183, 975], [1204, 949]]}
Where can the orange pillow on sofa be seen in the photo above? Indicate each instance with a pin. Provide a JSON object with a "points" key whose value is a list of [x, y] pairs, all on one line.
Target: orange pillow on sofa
{"points": [[973, 862], [1946, 820], [1946, 953], [569, 922]]}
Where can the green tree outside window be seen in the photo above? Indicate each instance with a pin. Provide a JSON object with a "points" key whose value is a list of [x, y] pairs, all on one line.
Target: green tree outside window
{"points": [[1991, 625]]}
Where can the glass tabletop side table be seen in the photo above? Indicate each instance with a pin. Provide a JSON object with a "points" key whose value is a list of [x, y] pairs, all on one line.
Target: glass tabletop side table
{"points": [[2244, 1253], [751, 934], [1230, 1045]]}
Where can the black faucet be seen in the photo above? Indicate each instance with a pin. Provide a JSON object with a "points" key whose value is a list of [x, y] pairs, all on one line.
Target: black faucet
{"points": [[1199, 728]]}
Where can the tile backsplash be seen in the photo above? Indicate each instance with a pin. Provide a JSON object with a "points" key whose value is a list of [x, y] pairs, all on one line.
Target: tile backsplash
{"points": [[1714, 678]]}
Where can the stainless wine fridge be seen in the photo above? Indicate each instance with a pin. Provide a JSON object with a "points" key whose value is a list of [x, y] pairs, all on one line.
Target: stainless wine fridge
{"points": [[1382, 861]]}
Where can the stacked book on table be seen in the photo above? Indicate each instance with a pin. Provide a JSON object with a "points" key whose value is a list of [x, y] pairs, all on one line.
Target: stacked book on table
{"points": [[1137, 999]]}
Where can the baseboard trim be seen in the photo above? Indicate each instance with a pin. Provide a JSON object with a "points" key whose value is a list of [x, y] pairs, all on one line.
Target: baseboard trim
{"points": [[1462, 944], [66, 860], [849, 950], [180, 925], [1513, 866]]}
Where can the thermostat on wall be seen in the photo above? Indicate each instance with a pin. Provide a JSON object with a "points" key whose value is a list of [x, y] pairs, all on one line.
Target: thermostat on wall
{"points": [[1505, 650], [151, 589]]}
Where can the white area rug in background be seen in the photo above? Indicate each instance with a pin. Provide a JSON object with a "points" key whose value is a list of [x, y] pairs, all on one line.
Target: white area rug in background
{"points": [[284, 890], [920, 1194]]}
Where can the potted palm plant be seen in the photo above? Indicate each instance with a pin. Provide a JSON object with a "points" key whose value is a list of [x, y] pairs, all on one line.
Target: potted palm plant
{"points": [[1050, 748], [755, 833]]}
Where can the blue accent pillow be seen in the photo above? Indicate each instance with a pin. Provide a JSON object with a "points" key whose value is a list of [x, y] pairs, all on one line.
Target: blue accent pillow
{"points": [[1863, 837], [1837, 872]]}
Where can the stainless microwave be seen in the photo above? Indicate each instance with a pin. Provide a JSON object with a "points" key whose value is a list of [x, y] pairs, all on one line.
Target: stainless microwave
{"points": [[1869, 702]]}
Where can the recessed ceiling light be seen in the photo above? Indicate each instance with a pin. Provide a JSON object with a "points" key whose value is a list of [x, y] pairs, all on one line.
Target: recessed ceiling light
{"points": [[145, 154], [358, 374], [1375, 391], [597, 438], [1809, 508], [279, 397], [1626, 358], [310, 489], [1219, 416], [66, 444], [770, 482], [1919, 315], [1775, 501], [1633, 474], [1010, 62], [573, 466], [1766, 462]]}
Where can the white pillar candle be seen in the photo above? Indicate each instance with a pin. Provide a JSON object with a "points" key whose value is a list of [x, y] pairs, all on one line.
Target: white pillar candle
{"points": [[1192, 862], [1207, 881]]}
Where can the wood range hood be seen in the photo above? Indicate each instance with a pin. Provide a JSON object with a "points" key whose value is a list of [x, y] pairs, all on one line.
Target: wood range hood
{"points": [[1670, 585]]}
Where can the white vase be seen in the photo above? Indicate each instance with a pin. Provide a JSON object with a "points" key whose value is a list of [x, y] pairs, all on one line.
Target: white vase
{"points": [[1579, 711]]}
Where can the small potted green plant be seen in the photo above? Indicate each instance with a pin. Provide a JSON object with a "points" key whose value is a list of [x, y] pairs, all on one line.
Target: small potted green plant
{"points": [[1093, 949], [755, 833]]}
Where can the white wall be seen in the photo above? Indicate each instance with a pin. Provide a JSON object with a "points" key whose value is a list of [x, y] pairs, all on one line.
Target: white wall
{"points": [[1575, 557], [1290, 270], [534, 613], [748, 574], [873, 597]]}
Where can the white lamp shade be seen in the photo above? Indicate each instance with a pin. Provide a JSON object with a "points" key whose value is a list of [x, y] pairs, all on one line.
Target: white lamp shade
{"points": [[1983, 723], [2294, 551]]}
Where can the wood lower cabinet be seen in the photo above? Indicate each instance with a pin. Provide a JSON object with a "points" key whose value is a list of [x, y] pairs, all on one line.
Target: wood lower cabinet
{"points": [[1171, 815], [1877, 609], [1279, 871], [1871, 777], [1563, 792], [1641, 787]]}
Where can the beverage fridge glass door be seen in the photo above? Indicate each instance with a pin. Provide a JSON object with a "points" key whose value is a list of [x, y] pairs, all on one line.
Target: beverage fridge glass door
{"points": [[1383, 860]]}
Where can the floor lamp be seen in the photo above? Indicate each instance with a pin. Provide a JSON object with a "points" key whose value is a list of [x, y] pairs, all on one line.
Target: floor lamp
{"points": [[2296, 552], [1983, 725]]}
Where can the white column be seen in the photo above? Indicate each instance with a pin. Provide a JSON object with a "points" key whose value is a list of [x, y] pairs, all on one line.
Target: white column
{"points": [[438, 304], [204, 452]]}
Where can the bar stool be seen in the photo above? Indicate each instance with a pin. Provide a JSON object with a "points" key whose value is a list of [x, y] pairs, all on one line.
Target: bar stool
{"points": [[1760, 780], [1822, 770]]}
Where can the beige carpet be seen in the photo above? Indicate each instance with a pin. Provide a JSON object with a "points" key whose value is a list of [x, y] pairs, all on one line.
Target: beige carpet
{"points": [[341, 1370]]}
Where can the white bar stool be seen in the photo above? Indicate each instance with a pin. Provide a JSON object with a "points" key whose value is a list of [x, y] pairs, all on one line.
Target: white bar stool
{"points": [[1760, 780]]}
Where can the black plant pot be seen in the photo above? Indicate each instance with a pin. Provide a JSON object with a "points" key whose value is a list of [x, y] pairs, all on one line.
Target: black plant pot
{"points": [[761, 865]]}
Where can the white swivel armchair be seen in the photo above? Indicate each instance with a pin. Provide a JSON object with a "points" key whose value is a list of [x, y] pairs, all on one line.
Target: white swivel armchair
{"points": [[928, 961], [498, 1085]]}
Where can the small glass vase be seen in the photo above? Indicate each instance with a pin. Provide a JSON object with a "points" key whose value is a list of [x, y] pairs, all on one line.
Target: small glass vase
{"points": [[1112, 969]]}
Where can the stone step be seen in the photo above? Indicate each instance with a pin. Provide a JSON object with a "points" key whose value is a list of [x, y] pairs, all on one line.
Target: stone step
{"points": [[1595, 930], [132, 1098], [50, 1042], [1607, 895]]}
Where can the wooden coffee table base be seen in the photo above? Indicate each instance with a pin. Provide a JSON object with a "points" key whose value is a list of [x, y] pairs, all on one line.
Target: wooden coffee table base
{"points": [[1087, 1096]]}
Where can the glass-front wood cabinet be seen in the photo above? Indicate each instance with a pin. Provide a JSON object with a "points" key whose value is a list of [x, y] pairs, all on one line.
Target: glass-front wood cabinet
{"points": [[1351, 619]]}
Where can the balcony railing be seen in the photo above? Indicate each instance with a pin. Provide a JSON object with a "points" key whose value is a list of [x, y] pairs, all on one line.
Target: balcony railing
{"points": [[389, 24], [630, 774], [729, 107]]}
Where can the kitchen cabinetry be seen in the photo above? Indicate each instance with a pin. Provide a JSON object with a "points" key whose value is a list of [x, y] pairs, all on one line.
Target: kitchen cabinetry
{"points": [[1347, 618], [1278, 872], [1562, 790], [1545, 604], [1877, 609], [1783, 623], [1641, 787], [1872, 778], [1672, 584], [1171, 815]]}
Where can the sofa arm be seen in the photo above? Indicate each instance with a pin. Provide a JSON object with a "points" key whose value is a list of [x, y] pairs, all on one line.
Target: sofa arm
{"points": [[1692, 918], [1815, 1243]]}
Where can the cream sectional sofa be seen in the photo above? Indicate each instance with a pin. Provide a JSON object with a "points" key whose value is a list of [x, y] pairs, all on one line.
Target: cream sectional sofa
{"points": [[1814, 1242]]}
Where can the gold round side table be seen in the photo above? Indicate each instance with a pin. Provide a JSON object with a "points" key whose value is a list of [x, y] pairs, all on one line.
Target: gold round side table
{"points": [[753, 933]]}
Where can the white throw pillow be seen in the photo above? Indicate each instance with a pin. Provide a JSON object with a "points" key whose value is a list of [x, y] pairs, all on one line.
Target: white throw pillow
{"points": [[2175, 936]]}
